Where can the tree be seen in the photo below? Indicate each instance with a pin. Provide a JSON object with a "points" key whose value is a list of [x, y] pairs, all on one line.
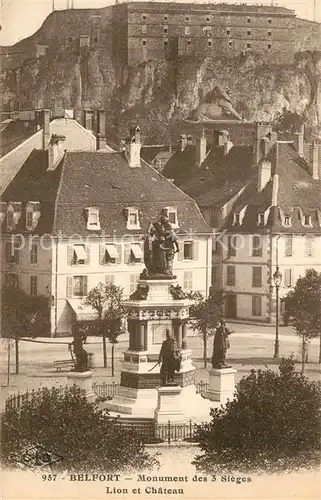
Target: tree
{"points": [[61, 423], [23, 316], [107, 299], [205, 314], [304, 303], [272, 424]]}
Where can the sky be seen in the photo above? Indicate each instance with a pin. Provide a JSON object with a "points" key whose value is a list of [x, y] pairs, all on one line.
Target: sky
{"points": [[21, 18]]}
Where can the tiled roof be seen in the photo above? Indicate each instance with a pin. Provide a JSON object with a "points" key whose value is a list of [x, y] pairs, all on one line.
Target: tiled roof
{"points": [[77, 138], [219, 178], [13, 134], [298, 193], [103, 180]]}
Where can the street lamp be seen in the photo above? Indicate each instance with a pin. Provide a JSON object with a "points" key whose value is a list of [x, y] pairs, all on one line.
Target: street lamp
{"points": [[277, 278]]}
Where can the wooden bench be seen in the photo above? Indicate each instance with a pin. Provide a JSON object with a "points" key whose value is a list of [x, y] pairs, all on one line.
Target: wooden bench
{"points": [[64, 363]]}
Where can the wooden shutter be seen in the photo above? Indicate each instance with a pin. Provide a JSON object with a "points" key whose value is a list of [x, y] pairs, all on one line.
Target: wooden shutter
{"points": [[87, 250], [230, 275], [256, 305], [69, 286], [256, 246], [180, 254], [288, 277], [70, 254], [119, 249], [102, 254], [288, 245], [109, 278], [85, 285], [195, 250], [127, 252], [257, 276], [8, 251]]}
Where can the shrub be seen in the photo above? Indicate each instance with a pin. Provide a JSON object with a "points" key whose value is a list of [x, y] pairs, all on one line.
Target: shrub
{"points": [[63, 423], [272, 424]]}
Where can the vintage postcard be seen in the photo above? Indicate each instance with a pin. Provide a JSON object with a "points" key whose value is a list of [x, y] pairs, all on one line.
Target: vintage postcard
{"points": [[160, 215]]}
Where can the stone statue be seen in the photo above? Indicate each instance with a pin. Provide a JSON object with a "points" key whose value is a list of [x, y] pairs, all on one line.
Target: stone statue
{"points": [[140, 293], [177, 292], [218, 106], [170, 358], [220, 346], [78, 353], [160, 246]]}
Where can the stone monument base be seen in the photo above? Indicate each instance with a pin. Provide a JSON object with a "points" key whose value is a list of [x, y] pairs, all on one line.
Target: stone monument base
{"points": [[169, 405], [221, 385], [84, 381]]}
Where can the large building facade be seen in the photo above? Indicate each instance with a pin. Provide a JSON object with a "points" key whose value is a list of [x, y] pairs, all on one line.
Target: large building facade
{"points": [[74, 220], [134, 32]]}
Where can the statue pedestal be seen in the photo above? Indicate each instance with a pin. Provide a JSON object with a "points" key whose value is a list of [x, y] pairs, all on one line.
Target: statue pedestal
{"points": [[221, 385], [169, 405], [84, 381], [148, 320]]}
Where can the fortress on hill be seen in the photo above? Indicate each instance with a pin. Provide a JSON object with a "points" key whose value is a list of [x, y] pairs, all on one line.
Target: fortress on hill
{"points": [[134, 32]]}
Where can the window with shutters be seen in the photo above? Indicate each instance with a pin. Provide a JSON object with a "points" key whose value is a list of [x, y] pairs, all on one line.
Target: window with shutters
{"points": [[256, 305], [79, 286], [288, 277], [231, 245], [78, 254], [288, 244], [188, 280], [33, 285], [207, 31], [171, 214], [133, 282], [10, 218], [12, 252], [230, 275], [29, 220], [34, 253], [12, 280], [188, 250], [308, 246], [109, 278], [109, 253], [256, 246], [132, 218], [257, 276]]}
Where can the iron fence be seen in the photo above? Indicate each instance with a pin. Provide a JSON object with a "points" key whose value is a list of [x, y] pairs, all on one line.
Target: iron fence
{"points": [[104, 391], [152, 433]]}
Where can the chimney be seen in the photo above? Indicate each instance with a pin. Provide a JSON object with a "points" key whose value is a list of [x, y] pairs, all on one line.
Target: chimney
{"points": [[264, 174], [227, 147], [88, 119], [101, 129], [261, 130], [299, 141], [200, 151], [221, 137], [45, 128], [132, 148], [183, 142], [314, 170]]}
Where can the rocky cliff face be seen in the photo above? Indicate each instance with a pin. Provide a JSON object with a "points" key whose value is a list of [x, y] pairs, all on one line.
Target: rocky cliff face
{"points": [[160, 95]]}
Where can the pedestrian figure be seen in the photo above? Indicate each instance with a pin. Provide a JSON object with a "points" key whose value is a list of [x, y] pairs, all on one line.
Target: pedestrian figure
{"points": [[170, 358], [220, 346]]}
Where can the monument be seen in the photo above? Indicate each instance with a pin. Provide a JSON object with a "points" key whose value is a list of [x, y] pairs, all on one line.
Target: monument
{"points": [[157, 317], [221, 377], [81, 375]]}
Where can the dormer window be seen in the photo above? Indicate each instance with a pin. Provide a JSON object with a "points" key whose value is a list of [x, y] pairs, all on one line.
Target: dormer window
{"points": [[132, 218], [29, 219], [236, 219], [32, 214], [307, 220], [3, 209], [171, 214], [93, 222], [261, 219], [287, 220]]}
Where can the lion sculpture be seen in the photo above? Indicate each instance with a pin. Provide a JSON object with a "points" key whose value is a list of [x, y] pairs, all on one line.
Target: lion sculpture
{"points": [[219, 107]]}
